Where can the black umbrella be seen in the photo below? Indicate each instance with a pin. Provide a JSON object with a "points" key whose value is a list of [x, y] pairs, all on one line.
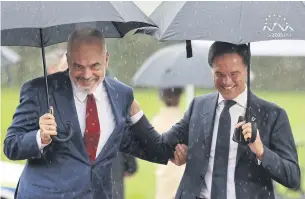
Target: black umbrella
{"points": [[44, 23], [233, 21]]}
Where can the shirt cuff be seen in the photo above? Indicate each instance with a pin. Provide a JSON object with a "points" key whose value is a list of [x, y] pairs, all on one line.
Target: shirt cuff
{"points": [[39, 143], [134, 119], [258, 161]]}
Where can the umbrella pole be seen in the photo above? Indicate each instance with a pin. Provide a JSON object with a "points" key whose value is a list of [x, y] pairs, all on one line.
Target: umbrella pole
{"points": [[44, 68], [248, 112]]}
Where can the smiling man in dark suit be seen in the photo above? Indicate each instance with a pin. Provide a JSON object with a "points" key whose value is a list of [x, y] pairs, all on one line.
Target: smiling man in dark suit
{"points": [[98, 108], [217, 167]]}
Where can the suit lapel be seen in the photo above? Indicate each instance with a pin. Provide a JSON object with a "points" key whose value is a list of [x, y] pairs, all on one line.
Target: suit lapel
{"points": [[113, 96], [208, 121], [65, 107], [256, 116]]}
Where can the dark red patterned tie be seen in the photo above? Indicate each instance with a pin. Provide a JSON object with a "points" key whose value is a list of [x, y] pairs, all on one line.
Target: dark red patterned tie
{"points": [[92, 132]]}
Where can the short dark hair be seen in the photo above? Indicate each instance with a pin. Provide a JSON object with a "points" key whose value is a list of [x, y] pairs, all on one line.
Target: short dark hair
{"points": [[219, 48], [170, 96], [169, 92]]}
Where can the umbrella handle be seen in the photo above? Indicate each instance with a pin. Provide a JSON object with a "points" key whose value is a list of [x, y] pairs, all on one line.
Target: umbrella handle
{"points": [[70, 132], [238, 136]]}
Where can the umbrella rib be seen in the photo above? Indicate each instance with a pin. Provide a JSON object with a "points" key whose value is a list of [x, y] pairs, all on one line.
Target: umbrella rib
{"points": [[116, 27], [118, 11], [175, 15]]}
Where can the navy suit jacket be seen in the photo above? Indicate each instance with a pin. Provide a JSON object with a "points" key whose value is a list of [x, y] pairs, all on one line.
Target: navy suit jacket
{"points": [[64, 170]]}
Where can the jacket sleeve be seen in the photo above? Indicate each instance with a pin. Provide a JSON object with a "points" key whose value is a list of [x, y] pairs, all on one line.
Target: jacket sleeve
{"points": [[20, 141], [281, 159], [130, 144], [155, 147]]}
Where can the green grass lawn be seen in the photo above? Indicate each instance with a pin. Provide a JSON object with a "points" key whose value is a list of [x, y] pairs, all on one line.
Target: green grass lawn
{"points": [[141, 186]]}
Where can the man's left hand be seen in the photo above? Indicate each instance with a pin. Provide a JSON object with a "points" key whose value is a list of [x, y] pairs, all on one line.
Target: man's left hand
{"points": [[257, 146], [180, 155]]}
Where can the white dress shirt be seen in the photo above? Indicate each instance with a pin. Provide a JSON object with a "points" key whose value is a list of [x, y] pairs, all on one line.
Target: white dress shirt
{"points": [[239, 109], [106, 117]]}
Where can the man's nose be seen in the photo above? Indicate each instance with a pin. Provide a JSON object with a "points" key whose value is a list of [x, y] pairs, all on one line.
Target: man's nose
{"points": [[227, 80], [87, 72]]}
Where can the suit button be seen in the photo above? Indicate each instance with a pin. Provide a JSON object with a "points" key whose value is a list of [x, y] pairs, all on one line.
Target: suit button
{"points": [[202, 177]]}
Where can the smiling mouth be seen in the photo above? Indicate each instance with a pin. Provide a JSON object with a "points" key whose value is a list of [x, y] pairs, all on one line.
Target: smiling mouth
{"points": [[81, 79], [228, 88]]}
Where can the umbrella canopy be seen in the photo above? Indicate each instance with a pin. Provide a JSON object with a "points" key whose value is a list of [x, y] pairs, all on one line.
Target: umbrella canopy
{"points": [[26, 21], [231, 21], [8, 57]]}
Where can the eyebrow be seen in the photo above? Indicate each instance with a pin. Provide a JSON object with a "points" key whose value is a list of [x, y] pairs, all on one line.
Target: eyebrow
{"points": [[235, 72], [218, 72], [94, 64]]}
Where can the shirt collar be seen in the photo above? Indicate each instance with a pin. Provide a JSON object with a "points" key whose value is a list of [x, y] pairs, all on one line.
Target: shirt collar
{"points": [[81, 95], [240, 99]]}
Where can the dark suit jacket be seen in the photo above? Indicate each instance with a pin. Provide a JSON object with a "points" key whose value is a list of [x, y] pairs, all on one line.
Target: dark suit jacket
{"points": [[64, 170], [280, 161]]}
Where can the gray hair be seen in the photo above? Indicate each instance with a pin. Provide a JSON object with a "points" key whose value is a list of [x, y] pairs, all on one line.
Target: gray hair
{"points": [[85, 34]]}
